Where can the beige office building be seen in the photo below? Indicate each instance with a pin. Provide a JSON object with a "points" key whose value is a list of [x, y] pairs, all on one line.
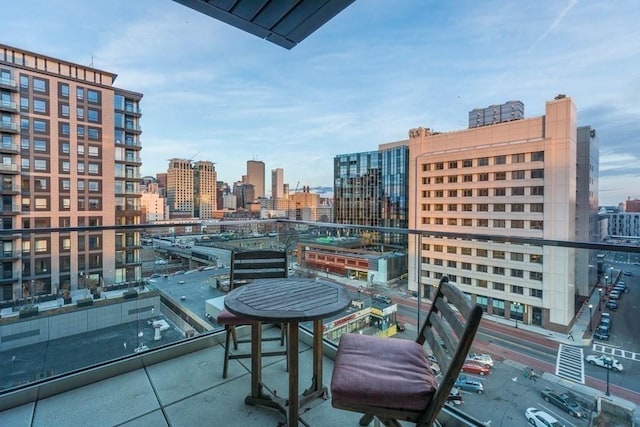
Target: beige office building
{"points": [[70, 143], [277, 183], [516, 178], [255, 177]]}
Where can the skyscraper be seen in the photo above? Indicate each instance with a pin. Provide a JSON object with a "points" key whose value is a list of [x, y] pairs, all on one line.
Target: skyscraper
{"points": [[277, 183], [370, 188], [70, 143], [255, 177], [180, 188], [191, 189]]}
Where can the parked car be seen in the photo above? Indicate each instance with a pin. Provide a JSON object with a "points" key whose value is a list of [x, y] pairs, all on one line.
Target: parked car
{"points": [[481, 358], [605, 362], [564, 402], [612, 304], [601, 335], [605, 321], [469, 384], [605, 315], [614, 295], [382, 298], [455, 397], [475, 368], [539, 418], [627, 273]]}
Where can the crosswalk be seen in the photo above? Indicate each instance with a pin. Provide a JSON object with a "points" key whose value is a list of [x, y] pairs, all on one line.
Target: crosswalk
{"points": [[570, 363], [616, 352]]}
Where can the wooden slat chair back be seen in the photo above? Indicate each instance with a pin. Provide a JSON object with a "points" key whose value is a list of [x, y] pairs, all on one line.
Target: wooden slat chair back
{"points": [[363, 375], [247, 266]]}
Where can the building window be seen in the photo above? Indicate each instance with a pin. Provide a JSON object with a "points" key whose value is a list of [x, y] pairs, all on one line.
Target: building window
{"points": [[517, 273], [536, 225], [93, 96], [40, 126], [482, 283], [536, 259], [64, 110], [40, 165], [537, 173], [452, 264], [500, 176], [41, 245], [483, 223], [40, 85], [65, 129], [481, 268], [453, 193], [439, 193], [537, 191], [483, 207], [483, 161], [498, 286], [453, 165], [483, 177], [467, 207], [93, 115], [517, 191], [517, 158], [500, 192], [63, 90], [41, 203], [535, 275], [498, 270], [94, 168], [535, 293], [516, 256], [467, 192], [517, 174], [452, 207], [438, 221], [537, 156], [517, 207], [499, 207], [453, 178], [40, 145], [467, 222], [467, 163], [40, 106], [65, 167], [500, 160], [517, 223], [94, 133], [452, 249], [465, 251], [517, 289], [499, 223], [467, 178], [81, 185], [466, 280], [483, 192], [439, 166], [536, 207], [439, 180], [437, 248]]}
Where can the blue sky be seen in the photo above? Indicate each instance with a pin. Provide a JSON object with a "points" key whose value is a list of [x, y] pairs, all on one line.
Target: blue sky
{"points": [[213, 92]]}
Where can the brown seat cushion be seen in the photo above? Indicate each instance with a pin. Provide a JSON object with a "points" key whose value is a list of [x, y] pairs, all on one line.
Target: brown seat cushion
{"points": [[225, 317], [384, 372]]}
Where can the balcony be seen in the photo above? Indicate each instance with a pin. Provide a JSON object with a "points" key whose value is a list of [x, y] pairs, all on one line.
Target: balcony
{"points": [[8, 127], [9, 84], [9, 106], [118, 375]]}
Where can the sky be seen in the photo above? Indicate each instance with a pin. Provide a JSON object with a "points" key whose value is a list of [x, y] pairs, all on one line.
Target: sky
{"points": [[379, 68]]}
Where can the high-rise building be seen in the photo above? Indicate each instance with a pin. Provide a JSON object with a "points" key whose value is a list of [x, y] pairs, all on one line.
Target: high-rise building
{"points": [[277, 183], [370, 188], [180, 188], [632, 205], [191, 189], [520, 179], [255, 177], [70, 144], [204, 187]]}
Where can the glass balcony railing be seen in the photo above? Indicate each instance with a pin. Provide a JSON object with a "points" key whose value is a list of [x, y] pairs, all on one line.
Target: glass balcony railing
{"points": [[181, 268]]}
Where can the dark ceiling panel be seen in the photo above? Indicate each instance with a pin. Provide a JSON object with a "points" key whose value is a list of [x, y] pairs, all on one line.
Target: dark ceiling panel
{"points": [[283, 22]]}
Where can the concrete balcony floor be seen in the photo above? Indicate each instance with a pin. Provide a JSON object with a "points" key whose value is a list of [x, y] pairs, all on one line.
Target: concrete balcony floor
{"points": [[184, 391]]}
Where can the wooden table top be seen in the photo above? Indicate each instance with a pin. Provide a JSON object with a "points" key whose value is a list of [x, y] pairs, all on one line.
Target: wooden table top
{"points": [[287, 299]]}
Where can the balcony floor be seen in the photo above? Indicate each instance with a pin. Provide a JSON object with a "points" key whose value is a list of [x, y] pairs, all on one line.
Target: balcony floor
{"points": [[185, 391]]}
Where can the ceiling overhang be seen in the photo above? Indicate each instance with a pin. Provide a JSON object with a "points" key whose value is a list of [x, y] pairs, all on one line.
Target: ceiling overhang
{"points": [[283, 22]]}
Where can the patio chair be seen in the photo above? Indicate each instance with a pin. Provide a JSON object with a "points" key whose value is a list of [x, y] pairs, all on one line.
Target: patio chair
{"points": [[246, 266], [391, 379]]}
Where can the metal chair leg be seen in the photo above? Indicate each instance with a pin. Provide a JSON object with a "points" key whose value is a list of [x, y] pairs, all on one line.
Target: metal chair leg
{"points": [[228, 332]]}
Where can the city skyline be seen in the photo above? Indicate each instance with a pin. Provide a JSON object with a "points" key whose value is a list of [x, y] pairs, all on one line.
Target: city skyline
{"points": [[364, 79]]}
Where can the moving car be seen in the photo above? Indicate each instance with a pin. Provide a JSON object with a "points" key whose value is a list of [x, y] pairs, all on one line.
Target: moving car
{"points": [[539, 418], [481, 358], [382, 298], [563, 401], [627, 273], [468, 384], [475, 368], [605, 362]]}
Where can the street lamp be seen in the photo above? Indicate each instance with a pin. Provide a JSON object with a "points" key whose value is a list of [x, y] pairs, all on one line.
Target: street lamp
{"points": [[610, 275], [590, 316], [608, 363], [517, 306], [600, 299]]}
